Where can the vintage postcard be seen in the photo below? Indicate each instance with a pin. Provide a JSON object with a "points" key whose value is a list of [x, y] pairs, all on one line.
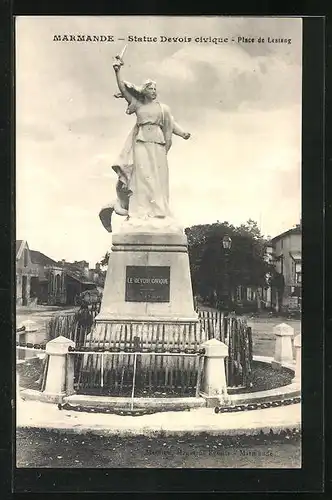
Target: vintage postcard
{"points": [[158, 242]]}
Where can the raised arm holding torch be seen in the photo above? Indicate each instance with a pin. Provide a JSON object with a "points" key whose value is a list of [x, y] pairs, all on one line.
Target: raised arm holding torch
{"points": [[117, 65]]}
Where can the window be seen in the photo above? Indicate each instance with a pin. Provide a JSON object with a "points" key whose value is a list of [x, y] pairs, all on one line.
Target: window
{"points": [[298, 273]]}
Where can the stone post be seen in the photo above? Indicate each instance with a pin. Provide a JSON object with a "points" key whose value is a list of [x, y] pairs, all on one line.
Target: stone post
{"points": [[60, 373], [29, 336], [20, 337], [283, 347], [297, 345], [214, 375]]}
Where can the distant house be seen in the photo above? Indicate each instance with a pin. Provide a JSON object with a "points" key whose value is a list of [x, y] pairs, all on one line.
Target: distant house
{"points": [[287, 257], [43, 264], [26, 275], [42, 280], [97, 275], [76, 279]]}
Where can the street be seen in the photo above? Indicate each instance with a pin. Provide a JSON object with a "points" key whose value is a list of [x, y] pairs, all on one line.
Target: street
{"points": [[40, 315], [263, 336]]}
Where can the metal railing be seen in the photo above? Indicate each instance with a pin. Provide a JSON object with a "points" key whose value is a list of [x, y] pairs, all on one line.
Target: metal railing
{"points": [[153, 337], [68, 324], [138, 373]]}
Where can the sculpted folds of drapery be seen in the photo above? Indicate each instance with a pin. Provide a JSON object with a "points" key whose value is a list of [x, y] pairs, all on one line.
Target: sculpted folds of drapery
{"points": [[142, 187]]}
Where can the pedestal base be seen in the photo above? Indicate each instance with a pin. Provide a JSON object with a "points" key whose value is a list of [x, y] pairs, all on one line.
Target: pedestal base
{"points": [[148, 292], [148, 278]]}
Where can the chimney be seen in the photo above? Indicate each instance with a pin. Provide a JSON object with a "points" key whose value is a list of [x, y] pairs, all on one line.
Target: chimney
{"points": [[86, 270], [63, 262]]}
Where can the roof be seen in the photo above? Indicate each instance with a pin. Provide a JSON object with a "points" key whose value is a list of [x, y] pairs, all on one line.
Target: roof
{"points": [[293, 230], [79, 276], [41, 259], [296, 255], [18, 245]]}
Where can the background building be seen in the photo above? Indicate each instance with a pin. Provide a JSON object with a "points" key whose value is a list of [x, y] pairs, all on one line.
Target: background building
{"points": [[42, 280], [287, 257], [27, 273]]}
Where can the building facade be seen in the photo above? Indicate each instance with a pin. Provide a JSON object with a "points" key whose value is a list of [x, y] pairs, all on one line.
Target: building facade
{"points": [[284, 253], [287, 257], [26, 275], [42, 280]]}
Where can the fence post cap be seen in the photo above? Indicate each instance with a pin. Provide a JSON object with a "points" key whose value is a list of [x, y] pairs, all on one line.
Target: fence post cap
{"points": [[215, 348], [298, 340], [283, 330], [59, 345], [30, 326]]}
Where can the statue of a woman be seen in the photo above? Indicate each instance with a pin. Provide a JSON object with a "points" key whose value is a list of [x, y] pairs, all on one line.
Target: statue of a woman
{"points": [[142, 168]]}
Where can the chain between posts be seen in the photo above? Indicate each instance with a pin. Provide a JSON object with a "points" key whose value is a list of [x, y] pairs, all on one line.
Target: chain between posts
{"points": [[134, 350], [256, 406], [147, 411], [30, 345], [90, 349]]}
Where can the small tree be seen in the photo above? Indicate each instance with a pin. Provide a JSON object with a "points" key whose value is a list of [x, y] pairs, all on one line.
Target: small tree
{"points": [[277, 282], [245, 262]]}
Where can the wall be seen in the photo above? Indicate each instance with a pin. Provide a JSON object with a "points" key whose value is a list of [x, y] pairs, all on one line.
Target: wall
{"points": [[290, 243], [56, 286], [25, 269]]}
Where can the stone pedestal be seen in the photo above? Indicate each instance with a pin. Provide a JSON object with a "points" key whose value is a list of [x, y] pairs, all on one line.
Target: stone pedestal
{"points": [[283, 348], [30, 335], [148, 284], [298, 371], [214, 376], [60, 368]]}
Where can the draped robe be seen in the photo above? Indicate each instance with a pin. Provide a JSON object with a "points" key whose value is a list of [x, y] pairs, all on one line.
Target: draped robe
{"points": [[142, 187]]}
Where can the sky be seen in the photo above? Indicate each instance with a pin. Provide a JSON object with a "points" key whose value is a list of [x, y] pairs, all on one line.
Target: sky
{"points": [[241, 102]]}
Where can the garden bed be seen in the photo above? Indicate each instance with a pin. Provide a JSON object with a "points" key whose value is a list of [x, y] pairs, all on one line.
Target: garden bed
{"points": [[263, 378], [30, 372]]}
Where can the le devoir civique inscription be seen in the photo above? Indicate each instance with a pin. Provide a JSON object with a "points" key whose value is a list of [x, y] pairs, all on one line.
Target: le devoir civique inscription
{"points": [[147, 284]]}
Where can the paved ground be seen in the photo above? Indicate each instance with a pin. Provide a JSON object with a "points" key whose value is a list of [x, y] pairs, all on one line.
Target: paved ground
{"points": [[40, 315], [262, 333], [42, 448]]}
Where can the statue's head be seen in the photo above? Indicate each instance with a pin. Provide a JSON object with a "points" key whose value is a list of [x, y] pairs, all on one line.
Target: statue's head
{"points": [[149, 90]]}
